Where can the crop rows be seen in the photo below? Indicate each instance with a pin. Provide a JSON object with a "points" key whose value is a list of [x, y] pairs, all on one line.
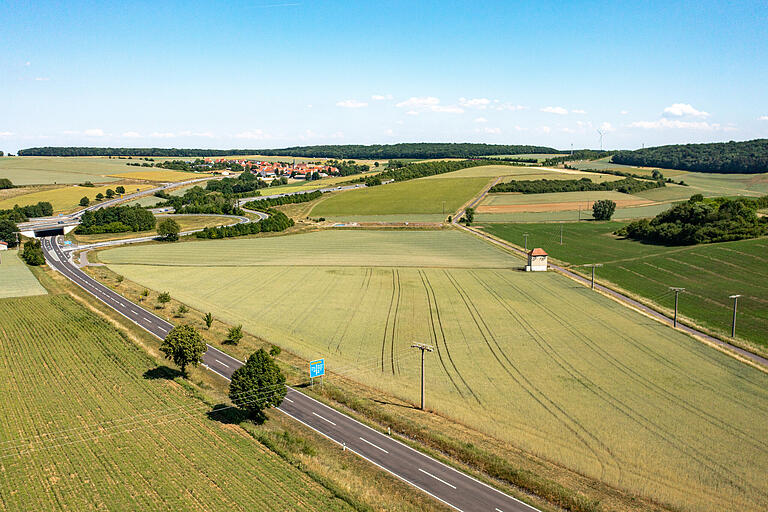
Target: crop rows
{"points": [[86, 426]]}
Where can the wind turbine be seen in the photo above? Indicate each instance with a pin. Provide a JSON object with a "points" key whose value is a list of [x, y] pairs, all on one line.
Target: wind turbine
{"points": [[601, 138]]}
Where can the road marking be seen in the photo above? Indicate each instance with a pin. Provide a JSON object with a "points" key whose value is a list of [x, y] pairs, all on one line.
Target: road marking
{"points": [[438, 479], [286, 398], [498, 509], [223, 364], [370, 443], [326, 419]]}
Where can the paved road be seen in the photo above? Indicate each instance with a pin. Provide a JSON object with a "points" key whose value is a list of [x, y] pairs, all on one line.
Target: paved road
{"points": [[442, 482]]}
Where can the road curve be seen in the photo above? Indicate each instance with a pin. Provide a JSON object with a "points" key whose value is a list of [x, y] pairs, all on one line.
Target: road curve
{"points": [[440, 481]]}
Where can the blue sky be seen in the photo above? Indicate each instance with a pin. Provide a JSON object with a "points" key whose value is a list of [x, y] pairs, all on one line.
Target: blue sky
{"points": [[234, 74]]}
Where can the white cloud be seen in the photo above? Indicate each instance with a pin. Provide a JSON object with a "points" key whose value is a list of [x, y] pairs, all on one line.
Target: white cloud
{"points": [[480, 103], [489, 130], [555, 110], [6, 134], [252, 134], [27, 64], [132, 135], [427, 104], [762, 118], [389, 132], [419, 102], [545, 129], [684, 109], [351, 104], [41, 79], [337, 135], [94, 132], [162, 135], [382, 97], [481, 120], [624, 112], [508, 106], [663, 124], [578, 111], [188, 133], [606, 127]]}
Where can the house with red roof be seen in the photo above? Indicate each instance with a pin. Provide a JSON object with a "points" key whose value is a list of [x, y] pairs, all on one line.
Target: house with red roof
{"points": [[537, 260]]}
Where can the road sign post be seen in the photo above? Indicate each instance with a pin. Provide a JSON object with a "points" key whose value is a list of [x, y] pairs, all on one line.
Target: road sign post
{"points": [[316, 369]]}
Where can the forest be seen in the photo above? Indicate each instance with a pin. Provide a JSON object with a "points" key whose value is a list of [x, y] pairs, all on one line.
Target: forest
{"points": [[702, 221], [626, 186], [746, 157], [373, 152]]}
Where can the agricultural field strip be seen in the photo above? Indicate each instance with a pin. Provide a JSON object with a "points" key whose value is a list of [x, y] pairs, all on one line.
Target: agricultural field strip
{"points": [[169, 447], [16, 280], [469, 491], [452, 373]]}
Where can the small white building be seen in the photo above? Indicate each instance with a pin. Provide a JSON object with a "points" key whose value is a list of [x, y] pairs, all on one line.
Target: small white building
{"points": [[3, 246], [537, 260]]}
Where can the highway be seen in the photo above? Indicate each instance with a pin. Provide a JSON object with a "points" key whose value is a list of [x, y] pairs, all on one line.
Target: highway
{"points": [[440, 481]]}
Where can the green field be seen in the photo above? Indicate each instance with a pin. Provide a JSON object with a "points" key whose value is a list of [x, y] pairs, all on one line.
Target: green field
{"points": [[511, 172], [16, 280], [66, 199], [535, 360], [186, 223], [89, 423], [420, 196], [554, 197], [709, 272]]}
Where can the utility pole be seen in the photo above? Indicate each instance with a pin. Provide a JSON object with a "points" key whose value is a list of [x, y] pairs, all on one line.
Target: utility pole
{"points": [[677, 292], [424, 348], [593, 265], [526, 241], [733, 324]]}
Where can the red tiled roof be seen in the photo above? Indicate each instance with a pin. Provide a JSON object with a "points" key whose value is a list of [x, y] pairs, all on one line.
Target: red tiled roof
{"points": [[538, 252]]}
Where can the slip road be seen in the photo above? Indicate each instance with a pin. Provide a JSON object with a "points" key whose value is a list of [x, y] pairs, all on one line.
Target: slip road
{"points": [[440, 481]]}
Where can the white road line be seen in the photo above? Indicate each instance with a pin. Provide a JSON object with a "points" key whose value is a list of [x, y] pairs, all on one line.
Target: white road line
{"points": [[223, 364], [370, 443], [286, 398], [498, 509], [438, 479], [326, 419]]}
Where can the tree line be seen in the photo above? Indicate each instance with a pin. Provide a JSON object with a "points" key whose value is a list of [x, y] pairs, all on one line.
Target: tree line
{"points": [[626, 186], [23, 213], [342, 152], [579, 154], [116, 219], [265, 204], [199, 200], [721, 157], [277, 221], [403, 171], [702, 221]]}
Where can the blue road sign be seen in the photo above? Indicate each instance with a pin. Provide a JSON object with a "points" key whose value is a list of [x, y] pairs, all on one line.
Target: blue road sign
{"points": [[316, 368], [67, 242]]}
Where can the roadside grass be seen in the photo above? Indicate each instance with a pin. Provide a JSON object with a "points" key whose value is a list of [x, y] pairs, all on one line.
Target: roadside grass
{"points": [[532, 360], [186, 223], [91, 422], [708, 272], [67, 199], [16, 280], [420, 196]]}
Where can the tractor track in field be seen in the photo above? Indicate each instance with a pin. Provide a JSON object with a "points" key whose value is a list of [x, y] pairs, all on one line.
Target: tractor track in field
{"points": [[386, 322], [649, 425], [535, 393], [362, 292], [394, 324]]}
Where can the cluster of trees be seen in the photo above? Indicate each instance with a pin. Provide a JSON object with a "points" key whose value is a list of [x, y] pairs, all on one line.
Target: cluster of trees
{"points": [[403, 171], [348, 168], [5, 183], [721, 157], [702, 221], [23, 213], [277, 221], [33, 252], [265, 204], [627, 186], [168, 230], [8, 229], [199, 200], [420, 150], [245, 183], [603, 209], [116, 219]]}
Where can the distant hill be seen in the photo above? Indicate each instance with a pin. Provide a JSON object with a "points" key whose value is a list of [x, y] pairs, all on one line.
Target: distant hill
{"points": [[373, 152], [722, 157]]}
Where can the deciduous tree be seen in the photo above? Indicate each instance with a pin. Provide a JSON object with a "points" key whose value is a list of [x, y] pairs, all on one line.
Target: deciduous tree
{"points": [[257, 385], [184, 346]]}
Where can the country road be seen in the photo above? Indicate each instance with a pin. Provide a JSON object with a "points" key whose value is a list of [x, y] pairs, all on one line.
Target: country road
{"points": [[440, 481]]}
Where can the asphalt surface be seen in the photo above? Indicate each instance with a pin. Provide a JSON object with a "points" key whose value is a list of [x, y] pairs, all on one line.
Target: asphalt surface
{"points": [[440, 481]]}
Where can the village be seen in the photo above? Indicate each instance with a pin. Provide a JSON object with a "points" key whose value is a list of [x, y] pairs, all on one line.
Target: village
{"points": [[293, 170]]}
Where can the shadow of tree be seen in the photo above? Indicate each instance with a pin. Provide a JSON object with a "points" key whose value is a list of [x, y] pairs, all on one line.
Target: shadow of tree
{"points": [[162, 372], [230, 415]]}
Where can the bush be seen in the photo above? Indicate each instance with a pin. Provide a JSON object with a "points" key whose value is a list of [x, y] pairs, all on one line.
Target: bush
{"points": [[169, 230], [5, 183], [84, 201], [8, 230], [603, 209], [33, 253]]}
